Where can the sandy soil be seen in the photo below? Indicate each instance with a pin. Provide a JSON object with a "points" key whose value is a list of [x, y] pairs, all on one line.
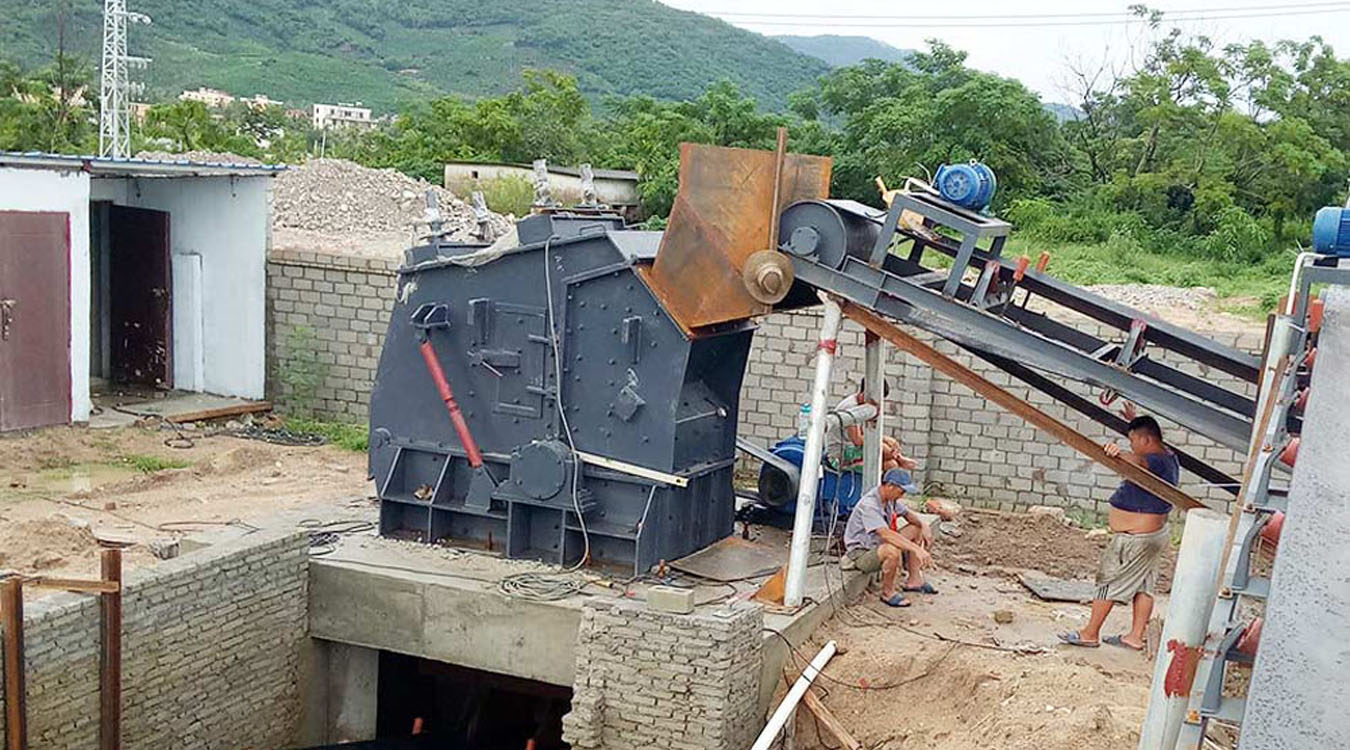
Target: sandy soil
{"points": [[63, 489], [899, 684]]}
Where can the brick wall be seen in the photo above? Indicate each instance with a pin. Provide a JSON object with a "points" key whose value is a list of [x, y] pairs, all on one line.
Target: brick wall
{"points": [[650, 679], [326, 314], [967, 448], [211, 651]]}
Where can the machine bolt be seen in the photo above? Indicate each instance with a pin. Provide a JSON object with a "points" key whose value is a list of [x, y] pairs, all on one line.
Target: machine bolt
{"points": [[770, 279]]}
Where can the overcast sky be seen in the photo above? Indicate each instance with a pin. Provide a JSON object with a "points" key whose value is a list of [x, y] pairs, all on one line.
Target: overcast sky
{"points": [[1029, 48]]}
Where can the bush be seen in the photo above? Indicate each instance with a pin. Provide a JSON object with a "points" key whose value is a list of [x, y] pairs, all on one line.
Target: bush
{"points": [[509, 194], [1237, 237], [301, 372]]}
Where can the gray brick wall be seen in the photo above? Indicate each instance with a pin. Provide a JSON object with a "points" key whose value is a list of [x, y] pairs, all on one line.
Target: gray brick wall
{"points": [[326, 313], [651, 679], [967, 448], [211, 652]]}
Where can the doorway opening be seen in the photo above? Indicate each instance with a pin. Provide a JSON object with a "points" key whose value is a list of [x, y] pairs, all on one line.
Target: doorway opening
{"points": [[463, 708], [131, 310]]}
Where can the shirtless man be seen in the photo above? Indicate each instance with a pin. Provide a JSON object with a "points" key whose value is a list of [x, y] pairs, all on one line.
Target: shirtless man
{"points": [[1128, 571]]}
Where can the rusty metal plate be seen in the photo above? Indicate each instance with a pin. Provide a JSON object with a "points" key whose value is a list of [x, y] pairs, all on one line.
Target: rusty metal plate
{"points": [[722, 215]]}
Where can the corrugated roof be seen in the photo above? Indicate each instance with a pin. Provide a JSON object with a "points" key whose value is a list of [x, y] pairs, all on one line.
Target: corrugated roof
{"points": [[103, 166]]}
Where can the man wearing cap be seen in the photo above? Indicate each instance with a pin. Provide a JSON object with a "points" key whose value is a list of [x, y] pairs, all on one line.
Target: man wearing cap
{"points": [[872, 544]]}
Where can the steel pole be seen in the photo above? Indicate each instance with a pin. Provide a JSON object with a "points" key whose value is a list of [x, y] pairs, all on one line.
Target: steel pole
{"points": [[874, 366], [1194, 587], [815, 438]]}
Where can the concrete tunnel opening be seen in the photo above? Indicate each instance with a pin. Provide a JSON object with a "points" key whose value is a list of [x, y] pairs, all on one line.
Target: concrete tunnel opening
{"points": [[455, 707]]}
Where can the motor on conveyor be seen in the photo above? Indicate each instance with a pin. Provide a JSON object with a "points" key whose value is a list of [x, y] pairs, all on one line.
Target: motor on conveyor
{"points": [[969, 185], [1331, 231]]}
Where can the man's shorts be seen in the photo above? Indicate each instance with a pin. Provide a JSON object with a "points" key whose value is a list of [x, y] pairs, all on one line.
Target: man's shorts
{"points": [[1130, 564], [866, 560]]}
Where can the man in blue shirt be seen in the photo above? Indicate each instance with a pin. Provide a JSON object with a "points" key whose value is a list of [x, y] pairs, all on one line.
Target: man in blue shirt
{"points": [[1128, 571], [873, 545]]}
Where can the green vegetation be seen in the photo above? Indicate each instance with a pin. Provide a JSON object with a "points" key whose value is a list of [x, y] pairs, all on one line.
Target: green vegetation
{"points": [[388, 53], [508, 195], [151, 464], [301, 372], [1203, 166], [352, 437]]}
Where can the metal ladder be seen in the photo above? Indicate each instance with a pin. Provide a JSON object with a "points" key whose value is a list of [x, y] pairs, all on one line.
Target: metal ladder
{"points": [[1291, 340]]}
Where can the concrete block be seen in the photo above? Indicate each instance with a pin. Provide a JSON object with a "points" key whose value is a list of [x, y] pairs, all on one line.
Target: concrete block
{"points": [[671, 599]]}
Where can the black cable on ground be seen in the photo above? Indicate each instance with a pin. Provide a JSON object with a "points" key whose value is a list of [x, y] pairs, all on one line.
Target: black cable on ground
{"points": [[325, 535]]}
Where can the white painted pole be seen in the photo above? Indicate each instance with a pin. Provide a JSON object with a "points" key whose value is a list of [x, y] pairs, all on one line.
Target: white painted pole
{"points": [[815, 438], [1194, 587], [874, 367], [794, 696]]}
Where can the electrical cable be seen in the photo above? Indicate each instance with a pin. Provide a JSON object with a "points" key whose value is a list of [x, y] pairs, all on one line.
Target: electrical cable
{"points": [[541, 586]]}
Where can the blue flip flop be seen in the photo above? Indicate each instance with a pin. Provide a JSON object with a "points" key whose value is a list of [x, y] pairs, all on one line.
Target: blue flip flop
{"points": [[896, 600], [1119, 640], [1072, 638], [926, 588]]}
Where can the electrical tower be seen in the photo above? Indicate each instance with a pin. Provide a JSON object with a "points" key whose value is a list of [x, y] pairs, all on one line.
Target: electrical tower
{"points": [[116, 89]]}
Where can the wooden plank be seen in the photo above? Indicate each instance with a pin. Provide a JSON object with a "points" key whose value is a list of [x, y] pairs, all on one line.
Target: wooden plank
{"points": [[974, 381], [110, 666], [829, 721], [624, 467], [234, 410], [77, 585], [16, 697]]}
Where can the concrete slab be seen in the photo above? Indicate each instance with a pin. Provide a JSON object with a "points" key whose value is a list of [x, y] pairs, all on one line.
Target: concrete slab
{"points": [[107, 419]]}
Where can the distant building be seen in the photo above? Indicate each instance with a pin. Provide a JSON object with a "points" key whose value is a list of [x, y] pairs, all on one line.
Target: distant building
{"points": [[327, 116], [260, 101], [297, 114], [214, 98], [139, 110], [615, 187]]}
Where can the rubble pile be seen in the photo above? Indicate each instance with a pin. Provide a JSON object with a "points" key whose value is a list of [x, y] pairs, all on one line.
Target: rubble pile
{"points": [[201, 157], [337, 197]]}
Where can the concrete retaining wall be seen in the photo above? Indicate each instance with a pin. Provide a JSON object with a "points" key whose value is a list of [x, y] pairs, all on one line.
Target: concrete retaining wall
{"points": [[649, 679], [211, 654], [967, 448]]}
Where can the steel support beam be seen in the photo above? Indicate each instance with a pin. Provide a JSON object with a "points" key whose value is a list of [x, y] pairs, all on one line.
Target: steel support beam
{"points": [[972, 380], [1101, 416]]}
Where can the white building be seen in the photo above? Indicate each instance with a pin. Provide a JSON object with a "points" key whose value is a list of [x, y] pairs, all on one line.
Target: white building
{"points": [[614, 187], [133, 271], [214, 98], [260, 101], [327, 116]]}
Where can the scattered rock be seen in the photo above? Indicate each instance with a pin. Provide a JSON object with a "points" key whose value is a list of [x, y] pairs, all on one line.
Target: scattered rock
{"points": [[234, 426], [1097, 533], [1003, 616], [1046, 510], [110, 505]]}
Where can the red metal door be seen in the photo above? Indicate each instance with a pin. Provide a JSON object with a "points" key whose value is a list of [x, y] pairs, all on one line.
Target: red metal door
{"points": [[140, 295], [34, 319]]}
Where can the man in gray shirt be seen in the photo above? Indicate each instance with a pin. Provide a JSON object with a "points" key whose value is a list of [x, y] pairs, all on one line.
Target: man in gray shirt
{"points": [[873, 545]]}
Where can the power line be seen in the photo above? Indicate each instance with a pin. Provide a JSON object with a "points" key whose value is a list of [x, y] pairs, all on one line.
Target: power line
{"points": [[1033, 24], [1122, 15]]}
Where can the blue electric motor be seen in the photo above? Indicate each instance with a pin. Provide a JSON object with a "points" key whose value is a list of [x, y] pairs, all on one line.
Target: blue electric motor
{"points": [[967, 185], [777, 491], [1331, 231]]}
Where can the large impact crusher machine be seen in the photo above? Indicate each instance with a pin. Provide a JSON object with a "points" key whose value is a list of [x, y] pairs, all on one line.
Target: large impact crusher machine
{"points": [[583, 403]]}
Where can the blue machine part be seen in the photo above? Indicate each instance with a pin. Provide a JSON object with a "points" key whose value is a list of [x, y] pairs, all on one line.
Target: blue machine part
{"points": [[1331, 231], [846, 488], [967, 185]]}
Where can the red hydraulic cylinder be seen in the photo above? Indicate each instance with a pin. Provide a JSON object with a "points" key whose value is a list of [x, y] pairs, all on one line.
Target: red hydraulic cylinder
{"points": [[456, 416]]}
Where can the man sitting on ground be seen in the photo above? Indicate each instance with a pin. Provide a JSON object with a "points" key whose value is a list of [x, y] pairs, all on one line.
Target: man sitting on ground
{"points": [[1129, 567], [873, 545]]}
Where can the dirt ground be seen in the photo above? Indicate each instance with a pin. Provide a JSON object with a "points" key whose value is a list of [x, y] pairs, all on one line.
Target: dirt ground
{"points": [[898, 684], [993, 539], [64, 489]]}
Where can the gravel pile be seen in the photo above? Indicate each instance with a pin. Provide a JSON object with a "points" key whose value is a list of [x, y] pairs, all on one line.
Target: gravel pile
{"points": [[211, 157], [337, 197], [1157, 299]]}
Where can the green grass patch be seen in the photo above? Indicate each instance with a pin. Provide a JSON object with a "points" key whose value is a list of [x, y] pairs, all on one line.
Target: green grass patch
{"points": [[352, 437], [50, 463], [151, 464]]}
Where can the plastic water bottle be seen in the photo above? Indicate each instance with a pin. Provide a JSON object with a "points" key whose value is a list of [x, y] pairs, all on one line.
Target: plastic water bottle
{"points": [[803, 421]]}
